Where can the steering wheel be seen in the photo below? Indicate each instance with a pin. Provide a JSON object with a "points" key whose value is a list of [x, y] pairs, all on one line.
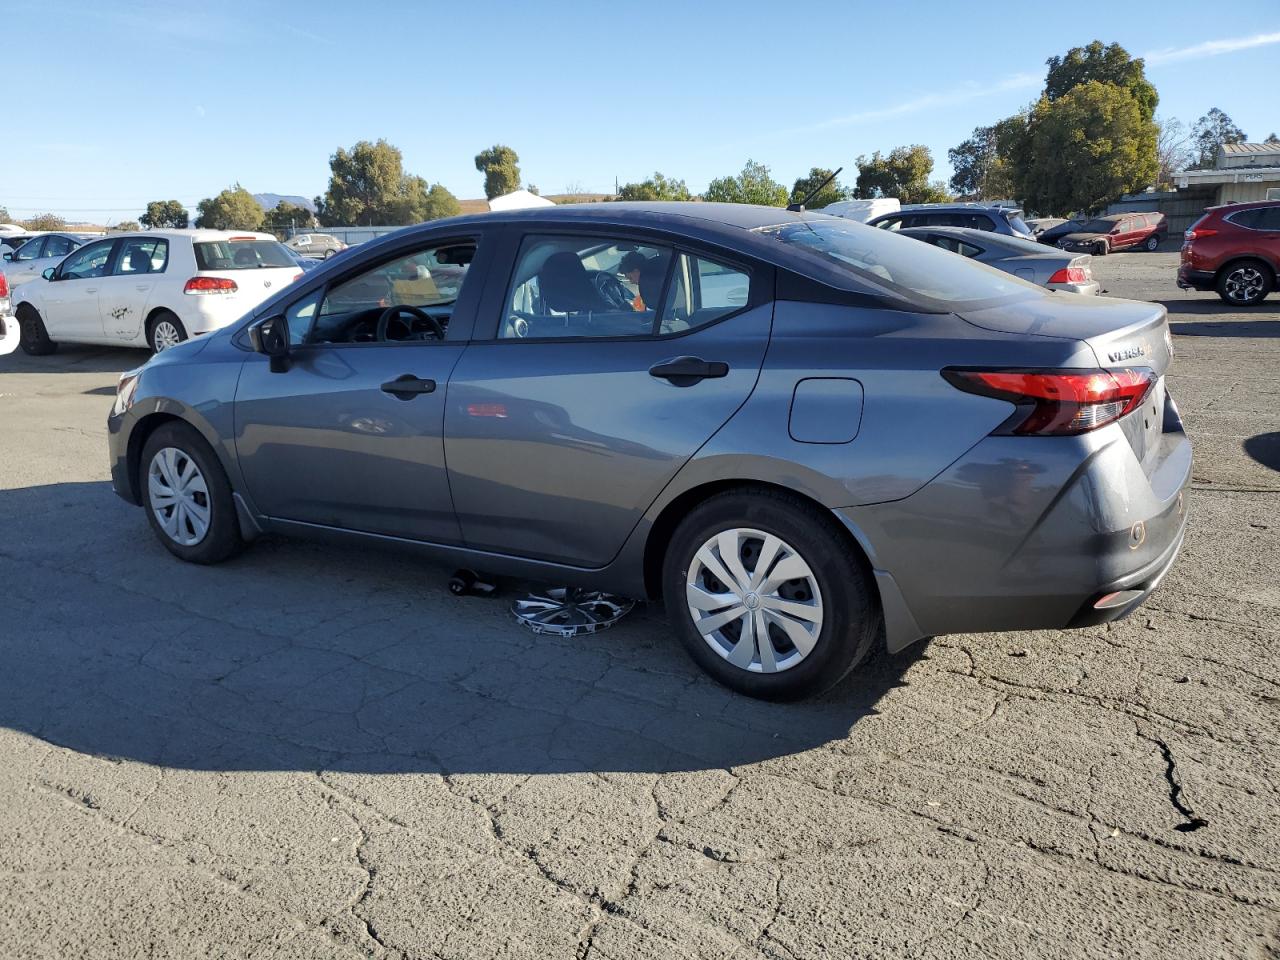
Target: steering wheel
{"points": [[614, 291], [385, 318]]}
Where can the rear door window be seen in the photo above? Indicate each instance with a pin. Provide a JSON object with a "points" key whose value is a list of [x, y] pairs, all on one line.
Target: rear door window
{"points": [[891, 223], [249, 254], [702, 291], [58, 246], [140, 255]]}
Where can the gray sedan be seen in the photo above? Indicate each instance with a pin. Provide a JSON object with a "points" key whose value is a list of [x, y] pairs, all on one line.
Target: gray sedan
{"points": [[805, 435], [35, 256], [1034, 262]]}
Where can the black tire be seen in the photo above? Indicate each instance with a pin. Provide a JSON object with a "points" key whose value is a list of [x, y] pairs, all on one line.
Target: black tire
{"points": [[164, 316], [330, 253], [850, 609], [33, 337], [1233, 274], [222, 540], [1101, 248], [1153, 243]]}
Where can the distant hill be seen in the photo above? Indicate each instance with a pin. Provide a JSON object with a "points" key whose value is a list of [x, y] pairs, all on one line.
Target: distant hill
{"points": [[269, 201]]}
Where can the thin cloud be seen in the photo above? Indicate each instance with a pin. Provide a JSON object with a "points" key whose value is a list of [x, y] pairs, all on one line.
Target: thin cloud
{"points": [[1210, 48]]}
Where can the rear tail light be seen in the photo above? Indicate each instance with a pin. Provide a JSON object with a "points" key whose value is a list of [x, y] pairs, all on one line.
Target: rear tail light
{"points": [[4, 286], [204, 285], [1199, 233], [1071, 275], [1058, 402]]}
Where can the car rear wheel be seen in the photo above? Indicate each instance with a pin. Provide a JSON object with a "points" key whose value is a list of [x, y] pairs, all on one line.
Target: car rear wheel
{"points": [[164, 331], [1153, 243], [187, 496], [330, 253], [1245, 283], [767, 596], [34, 338]]}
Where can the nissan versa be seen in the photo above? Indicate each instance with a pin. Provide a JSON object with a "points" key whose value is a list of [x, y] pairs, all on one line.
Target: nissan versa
{"points": [[791, 427]]}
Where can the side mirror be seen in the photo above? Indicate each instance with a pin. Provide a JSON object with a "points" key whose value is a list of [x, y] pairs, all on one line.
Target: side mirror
{"points": [[49, 272], [8, 256], [1114, 231], [271, 338]]}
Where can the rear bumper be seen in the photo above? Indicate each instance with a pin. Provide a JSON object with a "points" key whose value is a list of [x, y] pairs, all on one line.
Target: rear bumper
{"points": [[1189, 279], [1026, 533], [1092, 288], [10, 334]]}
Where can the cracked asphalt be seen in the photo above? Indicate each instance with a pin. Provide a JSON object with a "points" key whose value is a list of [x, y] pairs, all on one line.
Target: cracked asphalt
{"points": [[313, 752]]}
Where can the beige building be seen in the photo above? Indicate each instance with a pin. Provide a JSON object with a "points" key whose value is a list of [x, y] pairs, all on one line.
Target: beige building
{"points": [[1241, 172]]}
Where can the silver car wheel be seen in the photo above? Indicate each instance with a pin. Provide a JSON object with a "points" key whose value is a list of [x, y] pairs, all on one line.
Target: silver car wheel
{"points": [[165, 335], [568, 611], [755, 600], [179, 496], [1243, 284]]}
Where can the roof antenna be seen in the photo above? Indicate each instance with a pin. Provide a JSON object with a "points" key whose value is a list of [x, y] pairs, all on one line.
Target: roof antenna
{"points": [[799, 207]]}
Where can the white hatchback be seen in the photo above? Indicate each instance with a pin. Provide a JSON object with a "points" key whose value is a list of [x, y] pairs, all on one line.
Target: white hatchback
{"points": [[152, 289]]}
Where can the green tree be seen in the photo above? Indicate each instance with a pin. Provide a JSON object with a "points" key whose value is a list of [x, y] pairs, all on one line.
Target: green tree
{"points": [[831, 193], [1212, 131], [1271, 138], [45, 221], [752, 185], [902, 173], [657, 187], [1103, 64], [368, 186], [284, 215], [982, 163], [4, 214], [165, 214], [501, 168], [232, 209], [1085, 149], [127, 226]]}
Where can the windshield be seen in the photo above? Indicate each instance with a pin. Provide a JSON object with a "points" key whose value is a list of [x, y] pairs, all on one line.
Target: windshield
{"points": [[914, 270], [1098, 226], [241, 255], [1016, 221]]}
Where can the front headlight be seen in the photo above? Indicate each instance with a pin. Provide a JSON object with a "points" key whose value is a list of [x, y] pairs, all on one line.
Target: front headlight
{"points": [[125, 389]]}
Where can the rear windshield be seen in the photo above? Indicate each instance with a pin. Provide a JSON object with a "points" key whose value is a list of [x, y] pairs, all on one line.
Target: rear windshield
{"points": [[920, 272], [241, 255], [1016, 221]]}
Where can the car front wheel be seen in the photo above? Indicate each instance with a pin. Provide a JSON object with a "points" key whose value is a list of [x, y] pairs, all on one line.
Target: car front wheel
{"points": [[187, 495], [1245, 283], [768, 596], [34, 338], [1153, 243]]}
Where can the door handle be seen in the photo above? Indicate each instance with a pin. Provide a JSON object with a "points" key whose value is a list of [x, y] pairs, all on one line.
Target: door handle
{"points": [[407, 386], [686, 371], [91, 290], [143, 286]]}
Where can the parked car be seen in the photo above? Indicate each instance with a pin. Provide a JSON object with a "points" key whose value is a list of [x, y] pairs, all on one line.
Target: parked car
{"points": [[320, 245], [1038, 225], [863, 211], [1234, 250], [977, 216], [8, 324], [36, 255], [1120, 231], [1026, 259], [1051, 235], [306, 263], [791, 427], [155, 288]]}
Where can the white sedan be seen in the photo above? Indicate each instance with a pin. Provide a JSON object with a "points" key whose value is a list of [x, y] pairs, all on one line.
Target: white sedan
{"points": [[36, 256], [154, 289]]}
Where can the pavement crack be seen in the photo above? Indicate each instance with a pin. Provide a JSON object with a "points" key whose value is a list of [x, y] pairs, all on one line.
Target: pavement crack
{"points": [[1177, 799]]}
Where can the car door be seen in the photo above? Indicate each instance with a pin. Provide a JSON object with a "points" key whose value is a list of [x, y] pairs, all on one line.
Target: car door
{"points": [[350, 435], [125, 294], [69, 302], [610, 361], [27, 263]]}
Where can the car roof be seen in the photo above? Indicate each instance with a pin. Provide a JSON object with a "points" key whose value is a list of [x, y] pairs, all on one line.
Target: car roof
{"points": [[197, 234], [1244, 205]]}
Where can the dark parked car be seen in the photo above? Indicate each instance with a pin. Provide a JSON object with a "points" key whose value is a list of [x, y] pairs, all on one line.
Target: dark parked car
{"points": [[1234, 250], [1121, 231], [791, 427], [1051, 235], [975, 216]]}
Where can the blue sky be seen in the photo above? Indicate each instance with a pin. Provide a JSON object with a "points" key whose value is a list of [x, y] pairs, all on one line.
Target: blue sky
{"points": [[186, 103]]}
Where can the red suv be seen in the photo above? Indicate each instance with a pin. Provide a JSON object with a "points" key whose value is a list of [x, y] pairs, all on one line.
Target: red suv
{"points": [[1235, 250]]}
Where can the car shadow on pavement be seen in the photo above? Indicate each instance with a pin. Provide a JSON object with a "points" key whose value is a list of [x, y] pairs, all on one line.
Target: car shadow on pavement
{"points": [[1226, 328], [75, 358], [297, 656], [1265, 449]]}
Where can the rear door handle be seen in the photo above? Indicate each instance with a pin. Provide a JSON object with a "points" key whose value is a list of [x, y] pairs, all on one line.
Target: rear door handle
{"points": [[686, 371], [407, 386]]}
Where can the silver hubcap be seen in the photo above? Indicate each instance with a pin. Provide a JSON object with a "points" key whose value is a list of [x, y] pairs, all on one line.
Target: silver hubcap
{"points": [[1244, 283], [755, 600], [166, 335], [568, 611], [179, 496]]}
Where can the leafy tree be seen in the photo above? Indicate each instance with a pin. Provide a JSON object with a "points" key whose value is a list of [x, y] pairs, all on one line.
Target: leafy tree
{"points": [[165, 214], [127, 226], [1211, 131], [902, 173], [232, 209], [1271, 138], [45, 221], [533, 188], [657, 187], [1173, 149], [4, 214], [1085, 149], [285, 215], [831, 193], [1104, 64], [982, 163], [752, 185], [368, 186], [501, 168]]}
